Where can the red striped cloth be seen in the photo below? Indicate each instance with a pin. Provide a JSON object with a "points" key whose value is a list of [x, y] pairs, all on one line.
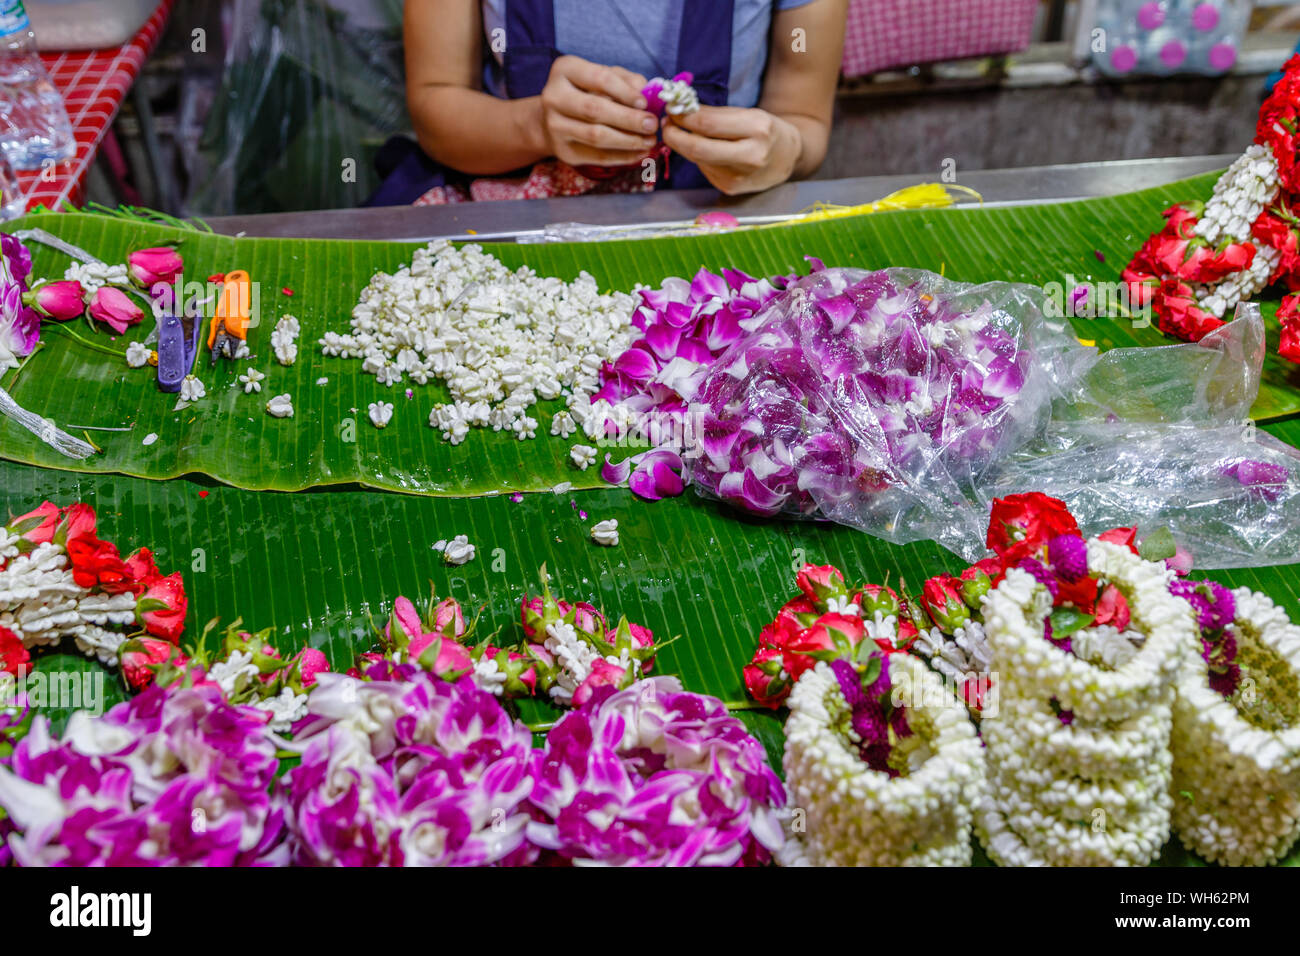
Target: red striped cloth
{"points": [[93, 84], [887, 34]]}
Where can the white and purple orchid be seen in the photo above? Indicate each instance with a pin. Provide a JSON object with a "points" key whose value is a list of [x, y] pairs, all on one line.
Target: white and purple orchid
{"points": [[652, 775], [175, 776], [412, 772], [20, 324]]}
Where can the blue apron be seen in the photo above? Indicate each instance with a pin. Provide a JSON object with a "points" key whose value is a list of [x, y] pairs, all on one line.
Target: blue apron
{"points": [[703, 48]]}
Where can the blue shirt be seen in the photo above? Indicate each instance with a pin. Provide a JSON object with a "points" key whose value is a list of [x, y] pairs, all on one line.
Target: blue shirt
{"points": [[593, 30]]}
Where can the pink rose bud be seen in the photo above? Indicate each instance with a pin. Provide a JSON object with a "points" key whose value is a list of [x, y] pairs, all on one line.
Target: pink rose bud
{"points": [[61, 301], [587, 618], [448, 614], [112, 307], [819, 583], [160, 264], [766, 678], [310, 663], [603, 674], [941, 597]]}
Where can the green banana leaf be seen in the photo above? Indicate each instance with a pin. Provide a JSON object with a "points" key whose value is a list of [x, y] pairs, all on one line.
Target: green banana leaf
{"points": [[322, 567], [229, 436]]}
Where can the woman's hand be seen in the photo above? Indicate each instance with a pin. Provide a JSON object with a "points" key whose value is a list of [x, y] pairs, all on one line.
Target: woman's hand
{"points": [[595, 115], [738, 150]]}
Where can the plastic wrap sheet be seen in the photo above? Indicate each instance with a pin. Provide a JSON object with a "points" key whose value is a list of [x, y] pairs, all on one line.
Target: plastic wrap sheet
{"points": [[309, 91], [1162, 436]]}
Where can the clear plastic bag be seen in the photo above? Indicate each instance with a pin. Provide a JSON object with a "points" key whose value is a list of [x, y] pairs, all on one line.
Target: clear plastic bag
{"points": [[309, 91], [901, 404], [881, 400], [1163, 436]]}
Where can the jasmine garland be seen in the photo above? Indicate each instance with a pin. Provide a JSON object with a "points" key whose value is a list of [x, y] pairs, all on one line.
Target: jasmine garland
{"points": [[1112, 724], [1236, 732], [914, 811]]}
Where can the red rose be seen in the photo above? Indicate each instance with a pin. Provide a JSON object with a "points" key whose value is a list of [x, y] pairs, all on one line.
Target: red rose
{"points": [[763, 678], [941, 598], [819, 583], [793, 617], [1020, 525], [834, 635], [907, 633], [1234, 257], [141, 567], [1288, 314], [161, 608], [1277, 122], [1082, 593], [972, 692], [1178, 314], [96, 563], [1271, 230], [78, 522], [1112, 608], [13, 654], [1122, 536], [141, 656], [990, 566], [38, 525]]}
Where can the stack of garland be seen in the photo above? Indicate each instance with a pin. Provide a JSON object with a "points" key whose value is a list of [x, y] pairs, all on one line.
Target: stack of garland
{"points": [[1116, 700], [1079, 761], [1236, 739], [1211, 256]]}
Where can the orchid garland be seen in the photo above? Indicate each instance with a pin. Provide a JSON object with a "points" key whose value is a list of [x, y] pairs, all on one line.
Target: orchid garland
{"points": [[171, 777], [653, 775], [413, 771], [859, 393]]}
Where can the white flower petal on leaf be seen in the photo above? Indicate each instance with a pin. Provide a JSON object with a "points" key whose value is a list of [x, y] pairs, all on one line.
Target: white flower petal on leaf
{"points": [[605, 532], [381, 413], [281, 406]]}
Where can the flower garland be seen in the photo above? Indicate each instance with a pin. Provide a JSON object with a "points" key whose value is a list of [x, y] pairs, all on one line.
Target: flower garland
{"points": [[826, 621], [59, 579], [653, 775], [1236, 732], [681, 329], [417, 771], [567, 652], [1211, 256], [1063, 717], [849, 810], [675, 97], [171, 777]]}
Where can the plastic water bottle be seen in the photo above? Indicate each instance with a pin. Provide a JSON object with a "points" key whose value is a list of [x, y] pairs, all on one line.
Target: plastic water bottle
{"points": [[12, 203], [34, 127]]}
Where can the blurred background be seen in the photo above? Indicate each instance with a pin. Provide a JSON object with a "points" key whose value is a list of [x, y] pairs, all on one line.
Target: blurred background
{"points": [[246, 106]]}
